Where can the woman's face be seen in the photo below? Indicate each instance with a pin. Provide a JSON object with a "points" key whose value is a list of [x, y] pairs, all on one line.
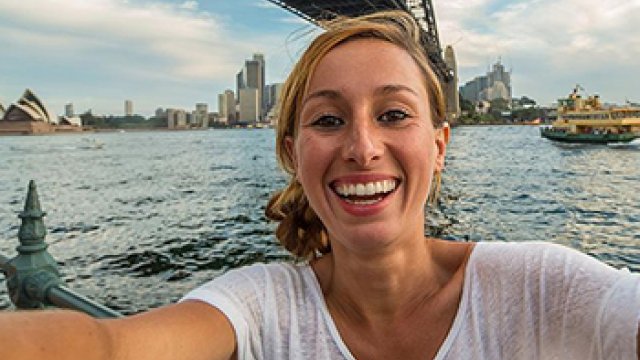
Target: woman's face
{"points": [[366, 148]]}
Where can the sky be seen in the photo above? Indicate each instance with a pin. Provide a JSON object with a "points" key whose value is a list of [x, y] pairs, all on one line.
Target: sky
{"points": [[96, 54]]}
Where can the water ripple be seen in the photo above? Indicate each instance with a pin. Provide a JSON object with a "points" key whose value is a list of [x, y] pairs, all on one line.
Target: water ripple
{"points": [[153, 214]]}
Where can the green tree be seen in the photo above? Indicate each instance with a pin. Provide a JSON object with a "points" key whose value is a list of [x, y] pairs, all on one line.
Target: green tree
{"points": [[88, 119]]}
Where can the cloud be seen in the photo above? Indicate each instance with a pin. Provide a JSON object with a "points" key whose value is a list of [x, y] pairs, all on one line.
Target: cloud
{"points": [[184, 43], [167, 50], [554, 39], [189, 5], [265, 4], [154, 52], [294, 20]]}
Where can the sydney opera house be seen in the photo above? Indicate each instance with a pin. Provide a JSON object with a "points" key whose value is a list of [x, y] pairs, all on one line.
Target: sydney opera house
{"points": [[30, 116]]}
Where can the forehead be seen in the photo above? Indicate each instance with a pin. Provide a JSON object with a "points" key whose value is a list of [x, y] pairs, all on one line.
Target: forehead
{"points": [[367, 63]]}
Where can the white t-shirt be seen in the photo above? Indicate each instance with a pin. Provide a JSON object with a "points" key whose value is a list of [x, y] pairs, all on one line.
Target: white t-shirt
{"points": [[519, 301]]}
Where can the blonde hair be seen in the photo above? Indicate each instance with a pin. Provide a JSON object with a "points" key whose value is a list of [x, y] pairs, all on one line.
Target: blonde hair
{"points": [[300, 230]]}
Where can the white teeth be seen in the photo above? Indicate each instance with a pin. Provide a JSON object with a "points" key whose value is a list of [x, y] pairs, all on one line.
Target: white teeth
{"points": [[368, 189], [364, 202], [371, 188], [389, 185]]}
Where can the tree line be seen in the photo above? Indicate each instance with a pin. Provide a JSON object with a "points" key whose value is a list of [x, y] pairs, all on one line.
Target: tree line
{"points": [[500, 111]]}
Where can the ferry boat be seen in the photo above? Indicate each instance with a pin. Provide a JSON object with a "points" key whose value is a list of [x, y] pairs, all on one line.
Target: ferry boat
{"points": [[587, 121]]}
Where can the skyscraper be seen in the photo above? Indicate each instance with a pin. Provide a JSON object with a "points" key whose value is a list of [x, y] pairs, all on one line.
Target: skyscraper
{"points": [[128, 108], [261, 82], [239, 83], [176, 119], [249, 106], [227, 107], [201, 115], [496, 84], [272, 94], [252, 77], [222, 109], [251, 74], [68, 110]]}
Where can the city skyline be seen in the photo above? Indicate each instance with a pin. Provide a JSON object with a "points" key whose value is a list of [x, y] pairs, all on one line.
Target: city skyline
{"points": [[178, 53]]}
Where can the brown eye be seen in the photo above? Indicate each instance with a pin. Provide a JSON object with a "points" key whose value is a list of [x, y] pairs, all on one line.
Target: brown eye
{"points": [[328, 121], [392, 116]]}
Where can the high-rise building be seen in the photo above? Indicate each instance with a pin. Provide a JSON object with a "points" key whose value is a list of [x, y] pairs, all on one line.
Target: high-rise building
{"points": [[239, 84], [213, 118], [176, 119], [252, 77], [471, 90], [222, 106], [251, 74], [227, 107], [128, 108], [261, 81], [249, 111], [496, 84], [201, 115], [68, 110], [272, 95], [498, 73]]}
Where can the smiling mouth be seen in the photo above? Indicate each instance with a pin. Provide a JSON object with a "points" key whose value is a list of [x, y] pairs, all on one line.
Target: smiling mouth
{"points": [[367, 193]]}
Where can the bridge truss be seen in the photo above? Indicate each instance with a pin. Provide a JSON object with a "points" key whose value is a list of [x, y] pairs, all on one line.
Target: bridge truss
{"points": [[315, 11]]}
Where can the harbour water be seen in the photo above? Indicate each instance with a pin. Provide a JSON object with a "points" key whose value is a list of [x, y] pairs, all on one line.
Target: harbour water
{"points": [[136, 223]]}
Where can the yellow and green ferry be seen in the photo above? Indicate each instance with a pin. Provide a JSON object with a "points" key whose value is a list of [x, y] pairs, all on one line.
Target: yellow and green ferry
{"points": [[587, 121]]}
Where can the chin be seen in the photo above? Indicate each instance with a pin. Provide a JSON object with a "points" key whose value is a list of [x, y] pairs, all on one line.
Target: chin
{"points": [[368, 236]]}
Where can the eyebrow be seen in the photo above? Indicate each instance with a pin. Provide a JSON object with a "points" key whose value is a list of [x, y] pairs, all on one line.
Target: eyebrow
{"points": [[390, 89], [330, 94], [383, 90]]}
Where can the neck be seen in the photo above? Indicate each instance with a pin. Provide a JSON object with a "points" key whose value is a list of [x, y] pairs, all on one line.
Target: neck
{"points": [[384, 285]]}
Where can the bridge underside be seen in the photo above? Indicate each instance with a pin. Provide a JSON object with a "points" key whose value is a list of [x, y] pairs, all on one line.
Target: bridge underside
{"points": [[324, 10], [318, 10]]}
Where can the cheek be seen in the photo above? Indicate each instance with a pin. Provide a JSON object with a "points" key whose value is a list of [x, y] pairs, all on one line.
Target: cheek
{"points": [[311, 159], [419, 146], [418, 157]]}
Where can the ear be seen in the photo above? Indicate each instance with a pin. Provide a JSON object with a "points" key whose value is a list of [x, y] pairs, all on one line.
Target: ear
{"points": [[442, 139], [289, 145]]}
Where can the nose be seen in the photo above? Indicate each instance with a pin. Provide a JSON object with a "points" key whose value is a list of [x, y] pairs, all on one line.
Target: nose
{"points": [[362, 144]]}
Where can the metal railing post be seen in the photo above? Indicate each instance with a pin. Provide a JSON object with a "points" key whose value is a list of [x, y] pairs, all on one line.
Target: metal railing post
{"points": [[33, 279]]}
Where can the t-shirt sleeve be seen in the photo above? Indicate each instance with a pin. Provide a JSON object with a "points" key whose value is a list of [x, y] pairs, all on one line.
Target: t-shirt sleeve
{"points": [[239, 295], [598, 303], [565, 304]]}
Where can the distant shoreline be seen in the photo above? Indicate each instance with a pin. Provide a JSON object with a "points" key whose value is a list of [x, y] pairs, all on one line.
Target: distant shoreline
{"points": [[117, 130]]}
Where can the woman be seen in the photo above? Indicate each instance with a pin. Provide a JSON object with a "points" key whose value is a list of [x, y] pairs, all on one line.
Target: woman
{"points": [[363, 135]]}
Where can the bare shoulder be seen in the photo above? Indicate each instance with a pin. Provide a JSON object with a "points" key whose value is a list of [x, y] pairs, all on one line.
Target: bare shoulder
{"points": [[452, 255], [188, 330]]}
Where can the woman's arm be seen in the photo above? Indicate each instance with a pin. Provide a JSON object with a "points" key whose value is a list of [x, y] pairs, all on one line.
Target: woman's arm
{"points": [[189, 330], [50, 335]]}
